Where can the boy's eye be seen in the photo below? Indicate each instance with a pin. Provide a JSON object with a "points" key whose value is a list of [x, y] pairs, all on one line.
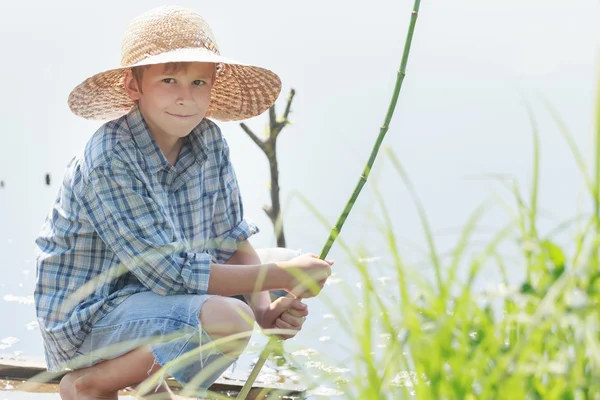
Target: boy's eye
{"points": [[199, 82], [168, 80]]}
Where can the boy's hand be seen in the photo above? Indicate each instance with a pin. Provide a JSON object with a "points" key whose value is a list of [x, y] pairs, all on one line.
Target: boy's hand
{"points": [[302, 271], [284, 313]]}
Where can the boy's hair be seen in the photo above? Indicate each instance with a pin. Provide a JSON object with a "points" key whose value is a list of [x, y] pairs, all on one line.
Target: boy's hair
{"points": [[168, 68]]}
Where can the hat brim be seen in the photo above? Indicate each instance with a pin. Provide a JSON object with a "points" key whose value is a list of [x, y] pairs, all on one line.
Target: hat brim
{"points": [[241, 90]]}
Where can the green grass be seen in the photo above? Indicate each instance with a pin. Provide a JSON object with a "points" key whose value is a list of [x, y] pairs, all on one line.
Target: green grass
{"points": [[443, 337], [446, 339]]}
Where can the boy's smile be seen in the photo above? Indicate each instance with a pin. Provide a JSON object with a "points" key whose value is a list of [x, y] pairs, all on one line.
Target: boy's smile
{"points": [[181, 116], [173, 99]]}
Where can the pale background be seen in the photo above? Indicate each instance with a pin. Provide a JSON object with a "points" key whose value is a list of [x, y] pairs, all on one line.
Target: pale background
{"points": [[461, 115]]}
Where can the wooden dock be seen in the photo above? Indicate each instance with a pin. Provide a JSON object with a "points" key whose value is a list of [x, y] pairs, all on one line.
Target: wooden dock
{"points": [[22, 378]]}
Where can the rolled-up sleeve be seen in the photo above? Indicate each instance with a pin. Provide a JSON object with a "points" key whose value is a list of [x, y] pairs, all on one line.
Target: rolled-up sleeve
{"points": [[134, 226], [229, 225]]}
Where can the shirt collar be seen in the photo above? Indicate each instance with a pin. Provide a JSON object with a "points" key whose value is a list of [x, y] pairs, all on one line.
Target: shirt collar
{"points": [[153, 156], [198, 142]]}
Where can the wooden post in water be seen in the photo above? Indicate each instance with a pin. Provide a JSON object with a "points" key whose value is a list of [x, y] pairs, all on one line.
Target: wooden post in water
{"points": [[269, 147]]}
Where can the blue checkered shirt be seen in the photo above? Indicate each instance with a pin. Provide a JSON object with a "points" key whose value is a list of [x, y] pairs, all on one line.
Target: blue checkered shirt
{"points": [[126, 221]]}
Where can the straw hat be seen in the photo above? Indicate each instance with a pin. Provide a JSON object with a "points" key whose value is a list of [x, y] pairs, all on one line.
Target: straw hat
{"points": [[175, 34]]}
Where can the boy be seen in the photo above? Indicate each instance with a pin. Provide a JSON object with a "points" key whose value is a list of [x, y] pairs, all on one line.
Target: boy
{"points": [[146, 241]]}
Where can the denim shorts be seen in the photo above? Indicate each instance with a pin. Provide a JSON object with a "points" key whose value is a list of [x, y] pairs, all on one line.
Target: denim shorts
{"points": [[170, 325]]}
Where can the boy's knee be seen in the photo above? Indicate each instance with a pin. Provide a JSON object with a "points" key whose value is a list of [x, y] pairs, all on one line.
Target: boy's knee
{"points": [[221, 317]]}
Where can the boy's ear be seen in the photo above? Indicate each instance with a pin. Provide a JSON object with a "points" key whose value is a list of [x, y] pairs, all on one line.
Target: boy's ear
{"points": [[132, 87]]}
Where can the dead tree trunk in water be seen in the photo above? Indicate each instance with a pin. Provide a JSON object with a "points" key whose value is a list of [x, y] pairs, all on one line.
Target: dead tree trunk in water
{"points": [[269, 147]]}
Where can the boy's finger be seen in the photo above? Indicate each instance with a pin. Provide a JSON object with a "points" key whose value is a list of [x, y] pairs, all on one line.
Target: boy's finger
{"points": [[294, 306], [296, 313], [294, 322], [282, 304], [298, 305], [279, 323]]}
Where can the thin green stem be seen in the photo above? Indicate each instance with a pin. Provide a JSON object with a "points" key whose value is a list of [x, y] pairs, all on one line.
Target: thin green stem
{"points": [[597, 183], [361, 182], [531, 235]]}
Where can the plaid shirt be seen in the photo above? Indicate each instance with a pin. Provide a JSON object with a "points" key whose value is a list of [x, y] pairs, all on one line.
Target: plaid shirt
{"points": [[126, 221]]}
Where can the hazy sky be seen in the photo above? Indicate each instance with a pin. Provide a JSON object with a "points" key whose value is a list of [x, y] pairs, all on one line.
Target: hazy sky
{"points": [[461, 112]]}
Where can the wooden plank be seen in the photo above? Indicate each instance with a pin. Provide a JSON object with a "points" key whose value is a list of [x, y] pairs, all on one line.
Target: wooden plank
{"points": [[11, 389], [39, 380]]}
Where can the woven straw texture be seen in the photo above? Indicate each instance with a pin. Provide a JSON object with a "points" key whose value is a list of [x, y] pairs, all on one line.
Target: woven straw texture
{"points": [[174, 34]]}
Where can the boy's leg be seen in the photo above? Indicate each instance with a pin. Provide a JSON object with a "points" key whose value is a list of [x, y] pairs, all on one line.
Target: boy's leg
{"points": [[219, 317], [224, 316], [105, 379]]}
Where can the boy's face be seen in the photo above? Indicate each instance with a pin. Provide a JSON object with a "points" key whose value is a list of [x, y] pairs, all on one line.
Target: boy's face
{"points": [[173, 103]]}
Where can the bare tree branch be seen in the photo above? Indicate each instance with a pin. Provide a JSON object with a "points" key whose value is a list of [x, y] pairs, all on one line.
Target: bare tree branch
{"points": [[255, 138], [269, 211], [279, 126], [289, 104], [269, 147], [272, 119]]}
